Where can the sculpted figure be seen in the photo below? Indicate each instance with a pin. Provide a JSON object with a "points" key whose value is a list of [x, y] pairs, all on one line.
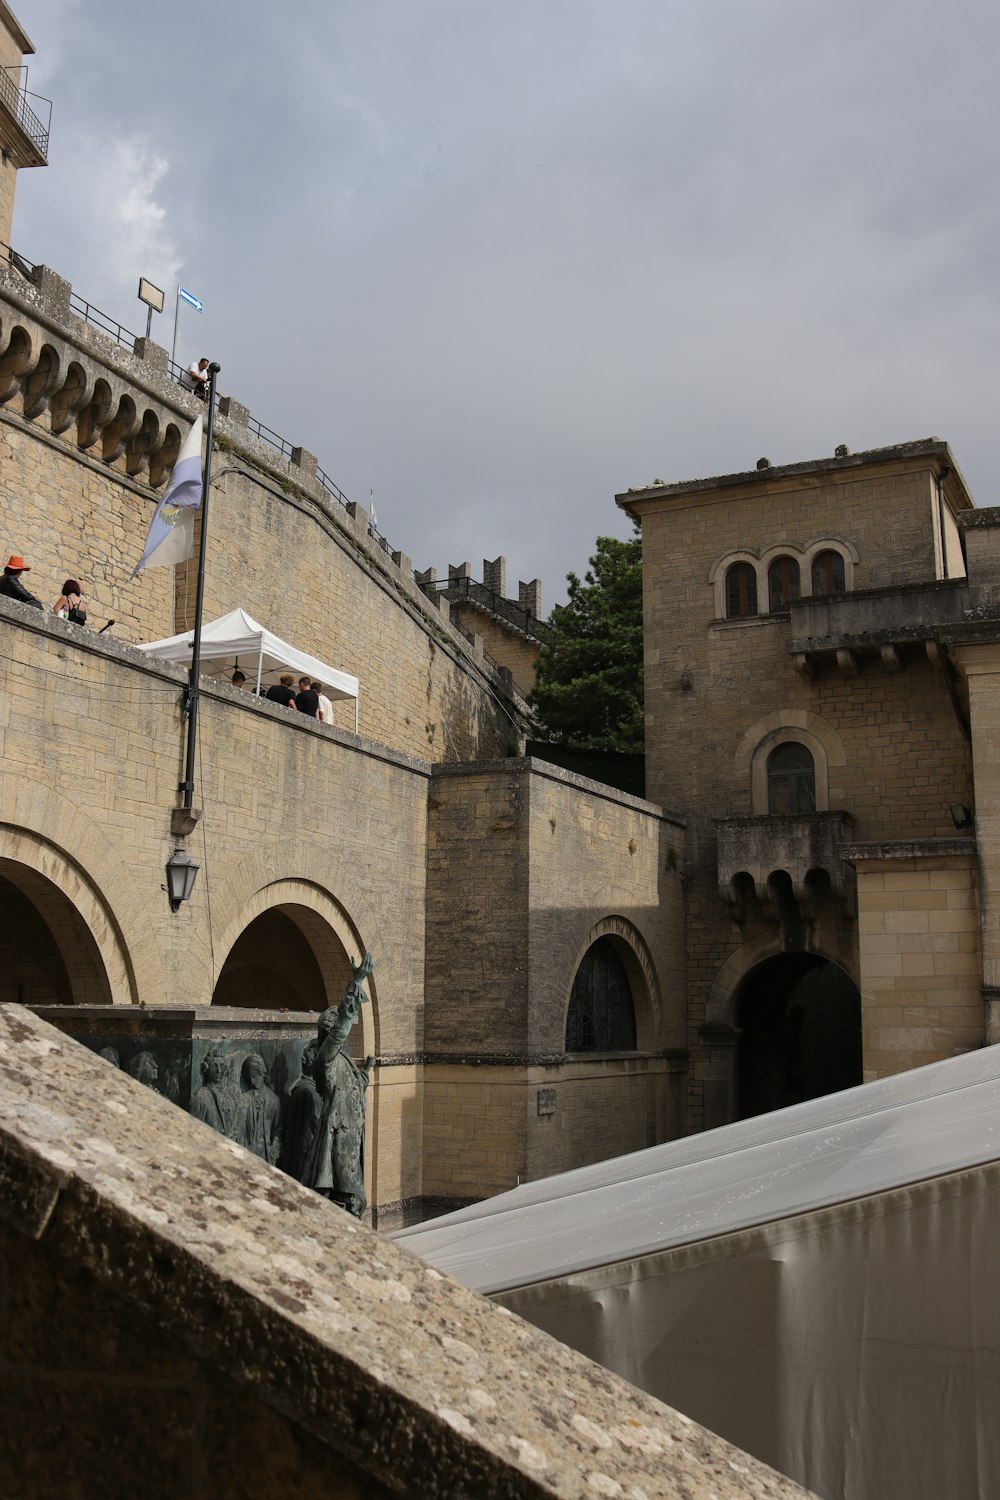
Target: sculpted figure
{"points": [[110, 1055], [335, 1164], [304, 1105], [260, 1118], [217, 1102], [143, 1067]]}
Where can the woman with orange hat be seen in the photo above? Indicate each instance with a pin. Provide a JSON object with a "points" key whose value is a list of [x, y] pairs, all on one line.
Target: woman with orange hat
{"points": [[11, 585]]}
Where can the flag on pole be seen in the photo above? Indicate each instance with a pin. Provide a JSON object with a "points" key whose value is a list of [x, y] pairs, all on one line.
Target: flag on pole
{"points": [[171, 531], [191, 299], [371, 502]]}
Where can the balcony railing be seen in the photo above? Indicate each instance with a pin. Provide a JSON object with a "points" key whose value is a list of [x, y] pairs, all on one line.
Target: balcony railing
{"points": [[15, 101]]}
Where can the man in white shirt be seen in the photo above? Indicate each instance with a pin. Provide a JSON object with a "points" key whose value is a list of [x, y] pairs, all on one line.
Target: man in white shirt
{"points": [[196, 377], [325, 706]]}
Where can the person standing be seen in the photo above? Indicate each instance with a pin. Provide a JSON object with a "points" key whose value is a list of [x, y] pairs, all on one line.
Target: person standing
{"points": [[306, 699], [282, 692], [70, 603], [325, 706], [196, 378], [12, 587]]}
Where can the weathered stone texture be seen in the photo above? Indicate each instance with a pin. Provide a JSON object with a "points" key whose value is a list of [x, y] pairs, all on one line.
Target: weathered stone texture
{"points": [[178, 1318]]}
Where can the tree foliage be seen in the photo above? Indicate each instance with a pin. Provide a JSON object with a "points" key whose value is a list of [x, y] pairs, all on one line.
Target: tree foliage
{"points": [[588, 685]]}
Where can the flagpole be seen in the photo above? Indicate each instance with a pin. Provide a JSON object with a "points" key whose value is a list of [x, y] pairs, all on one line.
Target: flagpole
{"points": [[177, 309], [187, 785]]}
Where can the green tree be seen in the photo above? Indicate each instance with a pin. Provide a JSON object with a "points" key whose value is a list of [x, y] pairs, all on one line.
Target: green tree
{"points": [[588, 686]]}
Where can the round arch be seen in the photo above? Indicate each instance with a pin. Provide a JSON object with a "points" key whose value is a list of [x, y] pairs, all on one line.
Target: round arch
{"points": [[295, 941], [798, 1017], [59, 940], [630, 947]]}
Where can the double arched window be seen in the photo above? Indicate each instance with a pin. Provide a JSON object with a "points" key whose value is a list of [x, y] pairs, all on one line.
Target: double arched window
{"points": [[748, 583]]}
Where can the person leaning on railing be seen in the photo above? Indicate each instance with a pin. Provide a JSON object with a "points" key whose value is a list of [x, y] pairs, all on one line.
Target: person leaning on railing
{"points": [[11, 585], [70, 605]]}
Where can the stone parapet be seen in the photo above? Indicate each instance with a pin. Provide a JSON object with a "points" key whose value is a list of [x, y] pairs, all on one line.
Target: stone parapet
{"points": [[159, 1279]]}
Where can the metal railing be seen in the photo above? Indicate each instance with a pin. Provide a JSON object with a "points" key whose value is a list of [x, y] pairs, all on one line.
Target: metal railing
{"points": [[97, 319], [15, 100], [25, 267], [127, 340], [497, 604]]}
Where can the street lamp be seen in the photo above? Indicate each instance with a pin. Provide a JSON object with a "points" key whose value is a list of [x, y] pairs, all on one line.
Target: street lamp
{"points": [[181, 872]]}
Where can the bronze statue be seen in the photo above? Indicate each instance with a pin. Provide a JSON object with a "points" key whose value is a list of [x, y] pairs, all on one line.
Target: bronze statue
{"points": [[304, 1106], [144, 1068], [217, 1102], [259, 1127], [335, 1165]]}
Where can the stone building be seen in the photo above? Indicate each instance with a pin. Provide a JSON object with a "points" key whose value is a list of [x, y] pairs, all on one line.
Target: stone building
{"points": [[527, 1007], [821, 647]]}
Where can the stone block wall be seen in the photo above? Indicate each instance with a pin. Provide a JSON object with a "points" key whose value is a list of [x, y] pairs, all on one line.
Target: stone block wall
{"points": [[918, 933], [527, 866]]}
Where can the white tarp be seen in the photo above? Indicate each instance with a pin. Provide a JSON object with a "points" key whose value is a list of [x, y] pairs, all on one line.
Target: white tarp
{"points": [[818, 1285], [236, 639]]}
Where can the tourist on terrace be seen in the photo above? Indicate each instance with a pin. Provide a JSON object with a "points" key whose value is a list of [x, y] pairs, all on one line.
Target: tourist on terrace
{"points": [[70, 603], [11, 585], [325, 706], [239, 679], [283, 691], [196, 378], [306, 699]]}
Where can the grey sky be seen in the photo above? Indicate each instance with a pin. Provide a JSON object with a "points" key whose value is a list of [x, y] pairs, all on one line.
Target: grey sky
{"points": [[497, 259]]}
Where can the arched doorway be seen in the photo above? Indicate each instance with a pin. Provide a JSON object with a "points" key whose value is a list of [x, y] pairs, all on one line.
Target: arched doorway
{"points": [[48, 955], [289, 958], [799, 1017]]}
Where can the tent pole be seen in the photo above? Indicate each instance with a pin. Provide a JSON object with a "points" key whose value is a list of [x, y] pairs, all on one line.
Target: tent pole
{"points": [[187, 785], [260, 663], [355, 716]]}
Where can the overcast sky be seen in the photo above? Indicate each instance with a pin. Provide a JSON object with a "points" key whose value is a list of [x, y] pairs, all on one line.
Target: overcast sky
{"points": [[499, 259]]}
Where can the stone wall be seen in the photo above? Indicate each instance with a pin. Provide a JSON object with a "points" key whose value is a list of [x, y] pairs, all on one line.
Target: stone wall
{"points": [[527, 866], [178, 1318], [89, 433]]}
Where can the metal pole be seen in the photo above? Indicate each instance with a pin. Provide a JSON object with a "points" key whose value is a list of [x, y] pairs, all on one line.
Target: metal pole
{"points": [[149, 320], [177, 308], [187, 785]]}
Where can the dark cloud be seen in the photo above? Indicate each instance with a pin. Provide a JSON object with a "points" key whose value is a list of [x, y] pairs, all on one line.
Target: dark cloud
{"points": [[498, 262]]}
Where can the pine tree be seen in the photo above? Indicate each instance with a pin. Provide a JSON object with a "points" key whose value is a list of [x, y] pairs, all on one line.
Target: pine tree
{"points": [[588, 686]]}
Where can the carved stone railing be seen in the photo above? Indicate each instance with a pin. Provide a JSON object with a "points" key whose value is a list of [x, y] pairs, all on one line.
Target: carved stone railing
{"points": [[807, 848]]}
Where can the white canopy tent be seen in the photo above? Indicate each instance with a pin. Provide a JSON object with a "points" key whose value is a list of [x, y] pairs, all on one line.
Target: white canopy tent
{"points": [[819, 1285], [225, 640]]}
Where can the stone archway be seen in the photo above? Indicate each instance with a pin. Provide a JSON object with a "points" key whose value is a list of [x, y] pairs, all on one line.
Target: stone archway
{"points": [[48, 955], [290, 947], [798, 1017], [629, 946]]}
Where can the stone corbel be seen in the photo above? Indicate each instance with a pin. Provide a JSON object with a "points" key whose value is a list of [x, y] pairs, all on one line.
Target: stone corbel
{"points": [[139, 447], [804, 666], [41, 380], [890, 658], [76, 391], [124, 426], [847, 662], [19, 355], [94, 415]]}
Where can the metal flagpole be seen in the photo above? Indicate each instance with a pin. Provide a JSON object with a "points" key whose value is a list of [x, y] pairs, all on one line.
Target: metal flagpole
{"points": [[187, 785], [177, 309]]}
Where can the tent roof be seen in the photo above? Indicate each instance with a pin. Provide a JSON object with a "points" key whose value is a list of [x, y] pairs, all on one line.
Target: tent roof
{"points": [[897, 1131], [238, 634]]}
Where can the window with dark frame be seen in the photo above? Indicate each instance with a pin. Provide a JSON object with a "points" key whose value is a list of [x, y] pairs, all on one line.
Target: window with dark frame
{"points": [[741, 591], [828, 573], [601, 1015], [782, 583], [791, 780]]}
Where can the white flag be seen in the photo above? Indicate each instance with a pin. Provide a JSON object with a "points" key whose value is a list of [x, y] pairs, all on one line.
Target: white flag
{"points": [[171, 531]]}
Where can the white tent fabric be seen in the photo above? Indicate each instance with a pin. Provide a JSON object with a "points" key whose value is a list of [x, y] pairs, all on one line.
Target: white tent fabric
{"points": [[237, 635], [818, 1285]]}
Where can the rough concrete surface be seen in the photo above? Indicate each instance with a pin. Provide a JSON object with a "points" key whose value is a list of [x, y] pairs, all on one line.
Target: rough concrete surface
{"points": [[264, 1311]]}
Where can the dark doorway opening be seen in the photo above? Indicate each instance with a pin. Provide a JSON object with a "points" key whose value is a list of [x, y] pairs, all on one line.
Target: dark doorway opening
{"points": [[273, 965], [800, 1019], [47, 954]]}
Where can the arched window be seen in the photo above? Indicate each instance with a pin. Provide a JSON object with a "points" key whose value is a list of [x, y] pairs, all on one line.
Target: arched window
{"points": [[791, 780], [828, 573], [741, 591], [782, 583], [601, 1013]]}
